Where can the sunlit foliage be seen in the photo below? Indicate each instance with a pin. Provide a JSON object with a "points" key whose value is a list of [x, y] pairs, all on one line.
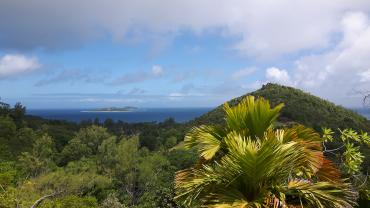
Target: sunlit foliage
{"points": [[249, 163]]}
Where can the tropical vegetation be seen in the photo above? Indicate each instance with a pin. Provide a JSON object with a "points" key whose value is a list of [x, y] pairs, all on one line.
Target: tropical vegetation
{"points": [[93, 163], [250, 163]]}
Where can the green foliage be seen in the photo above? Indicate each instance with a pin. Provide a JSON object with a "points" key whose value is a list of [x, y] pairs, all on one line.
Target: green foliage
{"points": [[26, 196], [40, 159], [84, 144], [84, 166], [352, 158], [300, 107], [181, 159], [71, 201], [13, 141], [140, 171], [112, 202], [170, 142], [327, 135], [8, 174], [254, 116], [107, 155], [250, 164], [7, 133], [251, 118], [22, 196], [66, 182], [133, 165], [7, 127], [206, 139], [18, 113], [150, 139]]}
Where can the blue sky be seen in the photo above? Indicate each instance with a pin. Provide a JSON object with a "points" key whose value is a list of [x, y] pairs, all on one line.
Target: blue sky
{"points": [[85, 54]]}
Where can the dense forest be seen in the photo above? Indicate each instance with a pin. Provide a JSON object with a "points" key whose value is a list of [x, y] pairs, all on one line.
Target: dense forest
{"points": [[91, 164], [50, 163], [299, 107]]}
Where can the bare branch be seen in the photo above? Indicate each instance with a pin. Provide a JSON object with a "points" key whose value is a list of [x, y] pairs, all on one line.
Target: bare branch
{"points": [[40, 200], [333, 150], [365, 96], [2, 188]]}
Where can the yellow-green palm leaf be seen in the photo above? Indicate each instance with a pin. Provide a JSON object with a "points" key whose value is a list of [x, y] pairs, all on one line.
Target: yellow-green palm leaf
{"points": [[252, 171], [252, 117], [251, 164]]}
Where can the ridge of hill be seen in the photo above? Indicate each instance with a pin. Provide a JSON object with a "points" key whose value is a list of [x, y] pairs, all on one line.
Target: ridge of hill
{"points": [[300, 107]]}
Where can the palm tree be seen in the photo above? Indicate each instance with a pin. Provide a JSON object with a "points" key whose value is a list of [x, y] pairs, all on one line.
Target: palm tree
{"points": [[249, 163]]}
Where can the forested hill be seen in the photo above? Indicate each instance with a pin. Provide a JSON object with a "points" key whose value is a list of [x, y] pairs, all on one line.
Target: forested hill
{"points": [[300, 107]]}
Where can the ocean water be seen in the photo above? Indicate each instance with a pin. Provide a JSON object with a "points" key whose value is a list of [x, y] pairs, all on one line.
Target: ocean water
{"points": [[141, 115]]}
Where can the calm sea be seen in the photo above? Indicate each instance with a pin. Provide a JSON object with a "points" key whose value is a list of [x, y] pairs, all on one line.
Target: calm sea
{"points": [[142, 115]]}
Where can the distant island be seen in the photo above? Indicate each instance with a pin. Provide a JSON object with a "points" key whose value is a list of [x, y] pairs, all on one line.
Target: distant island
{"points": [[113, 109]]}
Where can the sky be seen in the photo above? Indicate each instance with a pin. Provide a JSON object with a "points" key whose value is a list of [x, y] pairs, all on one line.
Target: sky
{"points": [[171, 53]]}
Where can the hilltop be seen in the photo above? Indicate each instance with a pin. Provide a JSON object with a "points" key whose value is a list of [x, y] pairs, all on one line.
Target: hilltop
{"points": [[300, 107]]}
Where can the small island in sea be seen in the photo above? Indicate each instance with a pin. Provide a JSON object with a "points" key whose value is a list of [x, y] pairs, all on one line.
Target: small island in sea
{"points": [[113, 109]]}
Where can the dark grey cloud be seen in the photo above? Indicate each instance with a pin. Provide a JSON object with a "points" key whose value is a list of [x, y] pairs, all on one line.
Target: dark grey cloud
{"points": [[44, 24]]}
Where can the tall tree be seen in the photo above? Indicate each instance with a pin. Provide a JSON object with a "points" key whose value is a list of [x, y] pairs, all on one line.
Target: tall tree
{"points": [[40, 158]]}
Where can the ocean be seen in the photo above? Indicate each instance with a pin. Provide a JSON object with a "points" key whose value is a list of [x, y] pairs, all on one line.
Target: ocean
{"points": [[141, 115]]}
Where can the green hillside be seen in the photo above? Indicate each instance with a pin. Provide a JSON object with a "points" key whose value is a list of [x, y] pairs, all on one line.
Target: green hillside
{"points": [[300, 107]]}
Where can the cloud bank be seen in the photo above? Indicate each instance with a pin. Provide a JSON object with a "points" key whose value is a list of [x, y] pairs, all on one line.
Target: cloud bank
{"points": [[261, 28], [320, 46], [338, 73]]}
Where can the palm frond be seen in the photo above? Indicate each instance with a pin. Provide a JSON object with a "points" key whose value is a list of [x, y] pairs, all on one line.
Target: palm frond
{"points": [[207, 140], [252, 117], [250, 164], [249, 167], [328, 172], [311, 142], [323, 194]]}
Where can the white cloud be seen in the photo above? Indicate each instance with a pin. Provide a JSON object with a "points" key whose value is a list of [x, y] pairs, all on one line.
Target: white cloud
{"points": [[261, 28], [335, 74], [15, 64], [365, 76], [157, 70], [277, 75], [334, 36], [176, 94], [243, 73]]}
